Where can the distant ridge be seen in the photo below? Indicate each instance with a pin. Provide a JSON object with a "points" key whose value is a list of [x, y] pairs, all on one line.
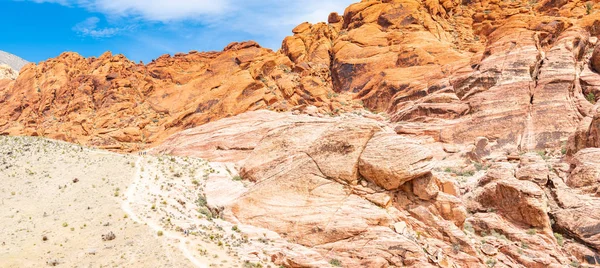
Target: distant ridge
{"points": [[11, 60]]}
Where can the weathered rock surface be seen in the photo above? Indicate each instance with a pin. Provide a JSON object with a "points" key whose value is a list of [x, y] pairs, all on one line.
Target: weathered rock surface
{"points": [[519, 73], [390, 160], [304, 180], [493, 159], [90, 100], [304, 175], [586, 170]]}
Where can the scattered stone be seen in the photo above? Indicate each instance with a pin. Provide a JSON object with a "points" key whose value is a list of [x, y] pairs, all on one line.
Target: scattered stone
{"points": [[489, 250], [108, 237], [52, 262]]}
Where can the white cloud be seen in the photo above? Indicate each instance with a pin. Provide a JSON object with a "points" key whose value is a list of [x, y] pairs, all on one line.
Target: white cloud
{"points": [[160, 10], [89, 27], [288, 12], [169, 26]]}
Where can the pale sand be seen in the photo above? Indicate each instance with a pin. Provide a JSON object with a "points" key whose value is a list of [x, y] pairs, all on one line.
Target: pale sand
{"points": [[130, 195]]}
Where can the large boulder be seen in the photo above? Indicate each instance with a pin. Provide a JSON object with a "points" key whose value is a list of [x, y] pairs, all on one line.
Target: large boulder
{"points": [[580, 223], [333, 145], [586, 170], [520, 201], [595, 60], [230, 139], [390, 160]]}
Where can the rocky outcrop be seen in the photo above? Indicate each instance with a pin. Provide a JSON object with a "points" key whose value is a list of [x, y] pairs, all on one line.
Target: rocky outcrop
{"points": [[585, 173], [519, 73], [389, 161], [307, 184], [305, 179], [91, 100]]}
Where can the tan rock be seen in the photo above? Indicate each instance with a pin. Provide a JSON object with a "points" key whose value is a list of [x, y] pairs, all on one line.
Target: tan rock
{"points": [[380, 199], [537, 172], [489, 250], [586, 172], [425, 187], [520, 201], [390, 160]]}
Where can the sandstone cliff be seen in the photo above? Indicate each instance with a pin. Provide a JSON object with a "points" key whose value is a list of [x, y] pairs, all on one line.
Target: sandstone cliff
{"points": [[455, 70], [348, 190], [111, 102], [485, 151]]}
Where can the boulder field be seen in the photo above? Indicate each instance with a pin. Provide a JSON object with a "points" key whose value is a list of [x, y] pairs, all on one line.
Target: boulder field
{"points": [[434, 133]]}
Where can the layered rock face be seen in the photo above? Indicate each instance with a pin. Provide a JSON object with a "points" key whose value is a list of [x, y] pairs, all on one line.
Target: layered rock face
{"points": [[111, 102], [521, 73], [513, 71], [350, 190], [484, 152]]}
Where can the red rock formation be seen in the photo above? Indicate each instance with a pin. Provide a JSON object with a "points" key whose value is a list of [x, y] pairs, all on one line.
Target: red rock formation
{"points": [[111, 102], [455, 70], [468, 85], [323, 184]]}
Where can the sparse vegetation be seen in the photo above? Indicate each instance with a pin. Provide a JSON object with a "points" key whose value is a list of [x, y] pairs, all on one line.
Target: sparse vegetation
{"points": [[456, 248], [591, 97], [542, 154], [499, 235], [589, 7], [462, 173], [559, 239], [468, 227], [479, 166], [335, 262]]}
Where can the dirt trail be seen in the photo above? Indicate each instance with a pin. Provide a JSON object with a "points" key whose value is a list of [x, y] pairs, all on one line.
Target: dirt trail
{"points": [[59, 200], [177, 189]]}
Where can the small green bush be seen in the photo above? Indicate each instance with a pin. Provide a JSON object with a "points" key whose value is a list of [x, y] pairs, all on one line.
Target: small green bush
{"points": [[335, 262], [591, 97], [589, 7], [559, 239]]}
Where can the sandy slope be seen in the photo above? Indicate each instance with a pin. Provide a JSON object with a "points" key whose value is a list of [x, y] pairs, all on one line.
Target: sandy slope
{"points": [[132, 196]]}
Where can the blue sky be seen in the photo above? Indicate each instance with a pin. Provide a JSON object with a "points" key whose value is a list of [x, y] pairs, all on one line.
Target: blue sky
{"points": [[145, 29]]}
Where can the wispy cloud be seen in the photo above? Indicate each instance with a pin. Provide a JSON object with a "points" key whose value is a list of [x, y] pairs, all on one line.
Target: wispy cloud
{"points": [[250, 13], [169, 26], [89, 27], [161, 10]]}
